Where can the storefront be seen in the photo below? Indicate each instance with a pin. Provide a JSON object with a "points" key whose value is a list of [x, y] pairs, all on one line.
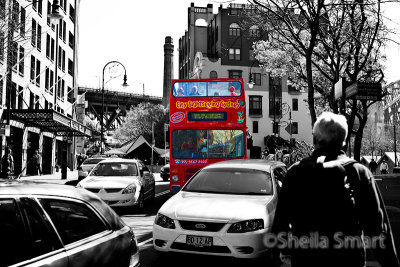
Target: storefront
{"points": [[49, 132]]}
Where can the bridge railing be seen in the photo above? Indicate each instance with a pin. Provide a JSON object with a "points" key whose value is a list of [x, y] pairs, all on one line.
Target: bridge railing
{"points": [[119, 93]]}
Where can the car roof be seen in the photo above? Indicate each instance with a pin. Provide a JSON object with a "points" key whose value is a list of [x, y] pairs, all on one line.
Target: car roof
{"points": [[254, 164], [32, 188], [119, 160], [24, 187]]}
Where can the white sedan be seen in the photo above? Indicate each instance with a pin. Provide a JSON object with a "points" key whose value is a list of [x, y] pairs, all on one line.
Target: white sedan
{"points": [[224, 209], [121, 182]]}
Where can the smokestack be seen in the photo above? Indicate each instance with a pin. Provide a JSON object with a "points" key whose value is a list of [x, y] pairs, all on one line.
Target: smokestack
{"points": [[168, 69]]}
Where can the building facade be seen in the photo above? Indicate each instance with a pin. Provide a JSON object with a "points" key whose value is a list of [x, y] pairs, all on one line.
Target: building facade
{"points": [[41, 89], [215, 46]]}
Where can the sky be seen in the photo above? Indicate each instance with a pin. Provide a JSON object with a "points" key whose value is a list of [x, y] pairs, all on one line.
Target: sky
{"points": [[133, 33]]}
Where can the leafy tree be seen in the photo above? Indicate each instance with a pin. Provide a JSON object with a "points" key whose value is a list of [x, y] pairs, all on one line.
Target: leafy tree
{"points": [[317, 43], [139, 121]]}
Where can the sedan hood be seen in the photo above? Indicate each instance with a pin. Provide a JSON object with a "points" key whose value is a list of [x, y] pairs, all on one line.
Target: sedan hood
{"points": [[215, 207], [108, 181]]}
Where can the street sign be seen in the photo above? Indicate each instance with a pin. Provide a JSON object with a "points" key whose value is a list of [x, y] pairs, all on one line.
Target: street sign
{"points": [[365, 91], [293, 126]]}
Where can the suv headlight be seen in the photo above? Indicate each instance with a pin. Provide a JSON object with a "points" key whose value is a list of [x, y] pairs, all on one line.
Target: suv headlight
{"points": [[130, 189], [246, 226], [164, 221]]}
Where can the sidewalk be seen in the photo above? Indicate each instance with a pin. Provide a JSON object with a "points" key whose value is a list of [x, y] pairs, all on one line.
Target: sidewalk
{"points": [[53, 178]]}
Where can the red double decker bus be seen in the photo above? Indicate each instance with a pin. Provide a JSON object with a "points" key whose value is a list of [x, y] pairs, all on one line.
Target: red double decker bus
{"points": [[207, 125]]}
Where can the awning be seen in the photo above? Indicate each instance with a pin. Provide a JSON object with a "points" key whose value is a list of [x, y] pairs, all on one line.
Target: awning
{"points": [[48, 120]]}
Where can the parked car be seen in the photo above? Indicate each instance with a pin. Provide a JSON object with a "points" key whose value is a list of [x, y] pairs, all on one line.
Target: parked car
{"points": [[225, 209], [88, 165], [43, 224], [164, 172], [121, 182]]}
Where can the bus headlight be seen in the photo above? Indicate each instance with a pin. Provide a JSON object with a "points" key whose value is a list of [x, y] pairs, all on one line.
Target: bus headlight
{"points": [[175, 178]]}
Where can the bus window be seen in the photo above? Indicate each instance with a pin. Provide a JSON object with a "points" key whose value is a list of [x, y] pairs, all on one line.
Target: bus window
{"points": [[191, 89], [207, 144]]}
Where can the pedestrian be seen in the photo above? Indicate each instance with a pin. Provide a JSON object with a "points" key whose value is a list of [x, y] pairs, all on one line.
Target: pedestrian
{"points": [[372, 166], [79, 159], [37, 160], [384, 167], [7, 164], [330, 205]]}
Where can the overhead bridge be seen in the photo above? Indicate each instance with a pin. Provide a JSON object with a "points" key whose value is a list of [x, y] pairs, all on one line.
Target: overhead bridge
{"points": [[116, 104]]}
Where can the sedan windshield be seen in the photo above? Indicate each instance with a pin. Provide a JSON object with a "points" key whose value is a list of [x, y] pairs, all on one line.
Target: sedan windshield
{"points": [[115, 169], [231, 181], [93, 160]]}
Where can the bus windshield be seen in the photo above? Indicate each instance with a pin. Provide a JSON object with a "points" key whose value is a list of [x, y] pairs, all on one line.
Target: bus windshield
{"points": [[207, 88], [202, 143]]}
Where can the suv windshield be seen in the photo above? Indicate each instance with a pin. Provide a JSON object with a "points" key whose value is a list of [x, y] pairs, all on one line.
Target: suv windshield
{"points": [[231, 181], [115, 169]]}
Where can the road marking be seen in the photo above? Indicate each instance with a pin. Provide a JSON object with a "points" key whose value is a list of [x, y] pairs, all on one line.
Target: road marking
{"points": [[162, 193], [145, 242]]}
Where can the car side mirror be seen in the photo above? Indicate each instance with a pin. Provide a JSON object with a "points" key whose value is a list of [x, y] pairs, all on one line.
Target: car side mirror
{"points": [[84, 174], [146, 173]]}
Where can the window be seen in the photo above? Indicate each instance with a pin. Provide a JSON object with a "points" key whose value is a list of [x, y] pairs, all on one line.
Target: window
{"points": [[13, 95], [2, 41], [33, 38], [213, 74], [63, 60], [74, 221], [71, 40], [48, 12], [254, 31], [14, 56], [234, 53], [257, 78], [295, 104], [20, 97], [255, 126], [72, 13], [70, 95], [48, 44], [64, 31], [15, 14], [234, 29], [70, 67], [22, 25], [199, 143], [275, 108], [21, 61], [2, 9], [295, 128], [235, 74], [255, 105], [36, 38], [46, 79], [43, 238], [35, 70], [52, 49], [32, 100], [13, 235]]}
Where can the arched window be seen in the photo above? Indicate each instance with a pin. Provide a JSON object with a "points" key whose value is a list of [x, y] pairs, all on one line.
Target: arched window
{"points": [[254, 31], [213, 74], [234, 29], [201, 23]]}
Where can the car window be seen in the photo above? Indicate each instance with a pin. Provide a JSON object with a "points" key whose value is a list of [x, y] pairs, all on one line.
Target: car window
{"points": [[74, 221], [13, 237], [115, 169], [42, 235], [231, 181], [92, 161]]}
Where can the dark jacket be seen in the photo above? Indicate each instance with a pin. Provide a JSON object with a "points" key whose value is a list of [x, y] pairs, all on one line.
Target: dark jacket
{"points": [[332, 222]]}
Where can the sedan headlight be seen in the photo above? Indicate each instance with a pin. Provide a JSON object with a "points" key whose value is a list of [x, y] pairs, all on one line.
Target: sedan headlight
{"points": [[130, 189], [246, 226], [164, 221]]}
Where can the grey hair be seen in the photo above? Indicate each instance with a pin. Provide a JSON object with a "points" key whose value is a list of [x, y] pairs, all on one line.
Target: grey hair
{"points": [[330, 131]]}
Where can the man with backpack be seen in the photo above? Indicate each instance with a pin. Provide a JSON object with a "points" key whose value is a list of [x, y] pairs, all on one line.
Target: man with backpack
{"points": [[330, 205]]}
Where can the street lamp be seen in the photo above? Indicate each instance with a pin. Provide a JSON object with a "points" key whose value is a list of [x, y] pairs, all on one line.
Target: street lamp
{"points": [[251, 82], [102, 101]]}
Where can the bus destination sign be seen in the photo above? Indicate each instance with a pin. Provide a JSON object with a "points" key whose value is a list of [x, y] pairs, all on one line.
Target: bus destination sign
{"points": [[207, 116]]}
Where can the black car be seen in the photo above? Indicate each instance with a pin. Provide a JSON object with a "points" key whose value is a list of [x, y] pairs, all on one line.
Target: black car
{"points": [[43, 224], [164, 172]]}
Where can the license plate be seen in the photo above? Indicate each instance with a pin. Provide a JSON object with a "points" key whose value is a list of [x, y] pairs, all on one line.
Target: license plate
{"points": [[199, 241]]}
